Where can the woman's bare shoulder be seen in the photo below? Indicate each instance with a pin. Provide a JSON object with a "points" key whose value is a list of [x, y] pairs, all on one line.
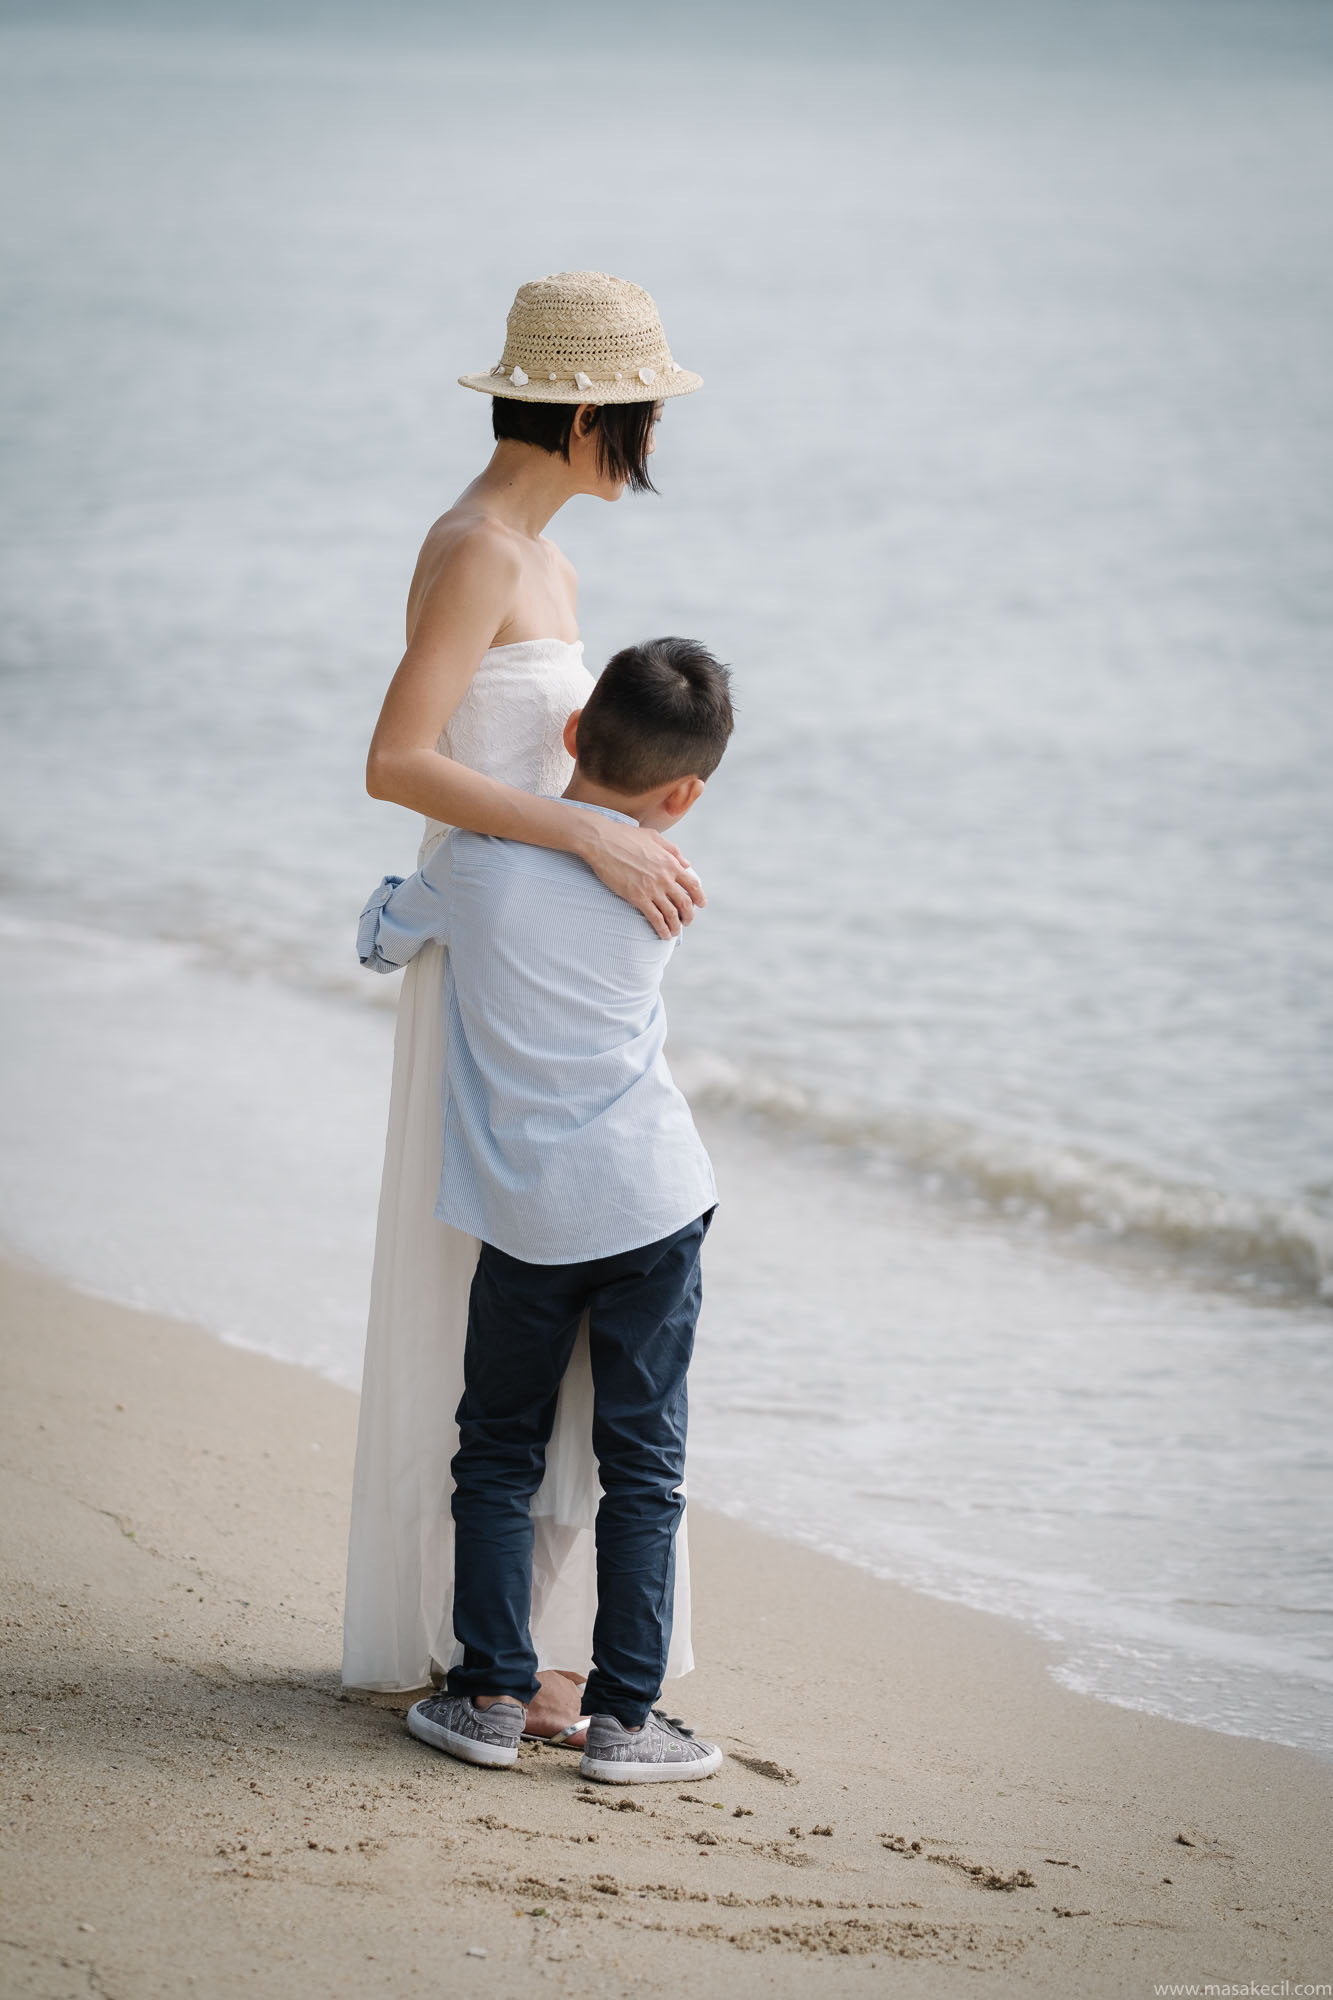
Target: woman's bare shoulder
{"points": [[465, 549], [467, 535]]}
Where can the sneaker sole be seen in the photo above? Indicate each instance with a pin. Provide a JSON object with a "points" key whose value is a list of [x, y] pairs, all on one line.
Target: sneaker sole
{"points": [[620, 1773], [466, 1748]]}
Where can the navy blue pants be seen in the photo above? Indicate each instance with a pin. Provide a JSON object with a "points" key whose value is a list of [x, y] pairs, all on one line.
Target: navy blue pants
{"points": [[522, 1323]]}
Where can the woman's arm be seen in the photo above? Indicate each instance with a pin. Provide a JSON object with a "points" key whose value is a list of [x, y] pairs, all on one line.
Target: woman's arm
{"points": [[463, 604]]}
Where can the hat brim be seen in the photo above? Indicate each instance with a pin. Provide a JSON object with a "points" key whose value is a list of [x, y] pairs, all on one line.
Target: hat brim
{"points": [[681, 383]]}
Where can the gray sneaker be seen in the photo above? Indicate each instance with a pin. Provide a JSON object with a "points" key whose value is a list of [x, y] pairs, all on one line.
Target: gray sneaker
{"points": [[663, 1750], [477, 1735]]}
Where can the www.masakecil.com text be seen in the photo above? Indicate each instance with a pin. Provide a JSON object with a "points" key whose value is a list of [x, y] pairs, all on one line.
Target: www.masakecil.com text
{"points": [[1251, 1989]]}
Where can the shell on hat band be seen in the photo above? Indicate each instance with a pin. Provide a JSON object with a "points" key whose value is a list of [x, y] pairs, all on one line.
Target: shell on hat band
{"points": [[647, 374], [580, 378]]}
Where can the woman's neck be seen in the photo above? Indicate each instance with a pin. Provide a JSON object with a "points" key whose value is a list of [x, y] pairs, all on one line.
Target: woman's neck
{"points": [[523, 486]]}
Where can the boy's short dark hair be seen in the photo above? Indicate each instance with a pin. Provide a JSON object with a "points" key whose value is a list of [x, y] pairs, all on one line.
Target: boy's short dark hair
{"points": [[661, 710], [622, 430]]}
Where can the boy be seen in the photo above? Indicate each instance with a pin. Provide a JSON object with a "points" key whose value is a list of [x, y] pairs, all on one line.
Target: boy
{"points": [[570, 1153]]}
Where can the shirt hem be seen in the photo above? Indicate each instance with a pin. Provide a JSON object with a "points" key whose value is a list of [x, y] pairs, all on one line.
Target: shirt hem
{"points": [[616, 1247]]}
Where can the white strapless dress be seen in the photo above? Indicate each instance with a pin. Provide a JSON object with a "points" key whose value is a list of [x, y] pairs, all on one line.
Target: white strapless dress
{"points": [[398, 1629]]}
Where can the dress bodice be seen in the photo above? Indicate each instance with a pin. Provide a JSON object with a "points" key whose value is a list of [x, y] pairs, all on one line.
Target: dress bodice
{"points": [[510, 723]]}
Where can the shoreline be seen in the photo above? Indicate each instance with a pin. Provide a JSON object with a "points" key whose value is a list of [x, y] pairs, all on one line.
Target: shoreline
{"points": [[944, 1397], [191, 1801]]}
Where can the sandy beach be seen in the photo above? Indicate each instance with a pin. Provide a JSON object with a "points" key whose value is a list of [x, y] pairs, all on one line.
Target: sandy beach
{"points": [[910, 1802]]}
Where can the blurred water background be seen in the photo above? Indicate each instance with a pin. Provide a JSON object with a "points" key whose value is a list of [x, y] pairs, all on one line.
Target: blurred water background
{"points": [[1008, 496]]}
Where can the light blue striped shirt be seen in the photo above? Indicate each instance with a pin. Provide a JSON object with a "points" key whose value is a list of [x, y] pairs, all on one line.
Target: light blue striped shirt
{"points": [[564, 1135]]}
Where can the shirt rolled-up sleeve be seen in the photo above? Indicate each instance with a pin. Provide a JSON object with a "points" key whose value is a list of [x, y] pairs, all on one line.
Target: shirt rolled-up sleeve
{"points": [[402, 915], [368, 930]]}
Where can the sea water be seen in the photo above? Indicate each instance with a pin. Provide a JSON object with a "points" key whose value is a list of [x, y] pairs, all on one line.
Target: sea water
{"points": [[1008, 499]]}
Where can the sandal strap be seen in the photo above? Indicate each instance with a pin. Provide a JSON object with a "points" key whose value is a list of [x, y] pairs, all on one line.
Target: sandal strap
{"points": [[560, 1736]]}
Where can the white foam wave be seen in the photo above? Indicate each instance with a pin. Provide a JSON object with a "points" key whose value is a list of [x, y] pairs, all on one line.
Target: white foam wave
{"points": [[1234, 1233], [1231, 1233]]}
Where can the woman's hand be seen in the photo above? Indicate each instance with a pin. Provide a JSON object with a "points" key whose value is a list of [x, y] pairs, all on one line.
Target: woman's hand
{"points": [[647, 870]]}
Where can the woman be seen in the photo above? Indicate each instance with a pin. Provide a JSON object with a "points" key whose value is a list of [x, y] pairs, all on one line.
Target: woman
{"points": [[470, 735]]}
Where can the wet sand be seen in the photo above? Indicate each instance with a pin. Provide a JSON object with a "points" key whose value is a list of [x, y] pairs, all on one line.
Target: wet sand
{"points": [[910, 1802]]}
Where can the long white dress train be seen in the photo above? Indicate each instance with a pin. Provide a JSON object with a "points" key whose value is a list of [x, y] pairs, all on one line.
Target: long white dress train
{"points": [[397, 1627]]}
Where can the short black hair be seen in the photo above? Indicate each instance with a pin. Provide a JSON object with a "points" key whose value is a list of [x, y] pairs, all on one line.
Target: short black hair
{"points": [[623, 431], [660, 711]]}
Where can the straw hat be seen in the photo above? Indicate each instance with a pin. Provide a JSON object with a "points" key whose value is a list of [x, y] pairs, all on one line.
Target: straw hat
{"points": [[583, 337]]}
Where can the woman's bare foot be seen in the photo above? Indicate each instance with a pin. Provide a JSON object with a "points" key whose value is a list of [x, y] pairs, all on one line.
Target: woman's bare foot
{"points": [[555, 1706]]}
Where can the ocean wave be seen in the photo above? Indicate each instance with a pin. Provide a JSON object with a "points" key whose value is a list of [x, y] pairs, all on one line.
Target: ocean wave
{"points": [[1284, 1244], [1240, 1236]]}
